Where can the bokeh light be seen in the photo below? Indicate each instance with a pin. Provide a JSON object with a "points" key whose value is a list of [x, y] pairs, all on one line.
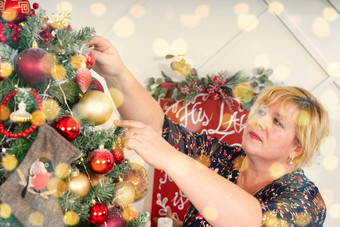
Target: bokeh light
{"points": [[117, 96], [327, 195], [202, 11], [210, 213], [190, 20], [5, 210], [334, 211], [302, 219], [281, 73], [330, 14], [36, 218], [179, 47], [98, 9], [321, 27], [275, 8], [241, 8], [277, 170], [330, 100], [64, 7], [57, 187], [137, 11], [302, 118], [179, 164], [328, 146], [262, 60], [161, 47], [333, 69], [330, 162], [247, 22], [62, 170], [71, 218], [124, 27]]}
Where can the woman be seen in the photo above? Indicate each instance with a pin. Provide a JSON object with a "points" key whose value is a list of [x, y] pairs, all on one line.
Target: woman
{"points": [[261, 184]]}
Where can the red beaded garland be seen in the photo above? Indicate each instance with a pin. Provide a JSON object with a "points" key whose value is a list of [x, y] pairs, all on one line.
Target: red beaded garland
{"points": [[27, 131]]}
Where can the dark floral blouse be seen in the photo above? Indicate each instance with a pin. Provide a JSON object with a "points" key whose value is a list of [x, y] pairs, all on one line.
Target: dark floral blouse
{"points": [[291, 200]]}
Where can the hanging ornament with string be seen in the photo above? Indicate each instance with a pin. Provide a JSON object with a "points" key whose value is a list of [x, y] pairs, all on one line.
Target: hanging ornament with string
{"points": [[83, 78], [34, 65], [21, 115]]}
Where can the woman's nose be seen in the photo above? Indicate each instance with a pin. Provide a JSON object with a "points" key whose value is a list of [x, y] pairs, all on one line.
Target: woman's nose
{"points": [[262, 123]]}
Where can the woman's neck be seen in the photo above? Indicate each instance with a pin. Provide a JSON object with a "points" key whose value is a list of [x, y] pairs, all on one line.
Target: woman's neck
{"points": [[254, 176]]}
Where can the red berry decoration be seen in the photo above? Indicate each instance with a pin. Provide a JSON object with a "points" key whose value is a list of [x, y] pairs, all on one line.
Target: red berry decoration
{"points": [[118, 155], [14, 10], [100, 161], [83, 78], [35, 5], [68, 127], [98, 213], [34, 66]]}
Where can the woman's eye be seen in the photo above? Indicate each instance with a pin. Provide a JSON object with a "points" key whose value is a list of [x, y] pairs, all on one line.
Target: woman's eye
{"points": [[261, 112], [277, 122]]}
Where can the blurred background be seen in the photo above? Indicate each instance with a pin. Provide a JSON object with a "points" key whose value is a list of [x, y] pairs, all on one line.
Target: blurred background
{"points": [[299, 40]]}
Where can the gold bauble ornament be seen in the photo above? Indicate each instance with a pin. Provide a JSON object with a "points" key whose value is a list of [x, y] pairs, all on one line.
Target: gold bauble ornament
{"points": [[129, 213], [138, 177], [95, 106], [9, 162], [71, 218], [4, 112], [21, 115], [79, 184], [6, 69], [125, 194], [51, 108], [58, 186]]}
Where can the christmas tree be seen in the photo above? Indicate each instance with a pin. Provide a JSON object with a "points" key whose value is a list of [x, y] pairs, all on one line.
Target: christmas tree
{"points": [[57, 168]]}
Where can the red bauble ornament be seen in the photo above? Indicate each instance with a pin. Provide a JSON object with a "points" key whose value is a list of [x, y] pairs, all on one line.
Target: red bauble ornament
{"points": [[68, 127], [118, 155], [35, 5], [100, 161], [14, 10], [96, 85], [83, 78], [98, 213], [114, 219], [34, 66]]}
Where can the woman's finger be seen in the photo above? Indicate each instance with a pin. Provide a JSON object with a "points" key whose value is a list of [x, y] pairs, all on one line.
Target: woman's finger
{"points": [[129, 124]]}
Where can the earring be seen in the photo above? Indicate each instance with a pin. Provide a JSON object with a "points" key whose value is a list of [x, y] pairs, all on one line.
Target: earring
{"points": [[291, 161]]}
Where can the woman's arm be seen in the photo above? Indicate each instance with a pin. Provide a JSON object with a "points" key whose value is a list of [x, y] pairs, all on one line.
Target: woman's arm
{"points": [[220, 201], [131, 99]]}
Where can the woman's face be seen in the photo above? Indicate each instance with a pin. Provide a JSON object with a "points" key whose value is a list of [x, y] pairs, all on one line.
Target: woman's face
{"points": [[270, 134]]}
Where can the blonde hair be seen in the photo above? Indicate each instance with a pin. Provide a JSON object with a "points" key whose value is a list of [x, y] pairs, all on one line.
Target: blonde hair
{"points": [[312, 121]]}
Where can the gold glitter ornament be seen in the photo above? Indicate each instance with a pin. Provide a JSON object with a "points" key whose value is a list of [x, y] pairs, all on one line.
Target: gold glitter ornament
{"points": [[38, 118], [71, 218], [125, 194], [51, 108], [58, 72], [6, 69], [9, 162], [129, 213], [78, 61], [139, 178], [21, 115]]}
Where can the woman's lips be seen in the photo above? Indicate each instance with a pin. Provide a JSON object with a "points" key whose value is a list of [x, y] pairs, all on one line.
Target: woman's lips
{"points": [[254, 136]]}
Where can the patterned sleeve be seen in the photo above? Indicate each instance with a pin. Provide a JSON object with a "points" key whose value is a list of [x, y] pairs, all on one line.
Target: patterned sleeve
{"points": [[293, 207], [196, 144]]}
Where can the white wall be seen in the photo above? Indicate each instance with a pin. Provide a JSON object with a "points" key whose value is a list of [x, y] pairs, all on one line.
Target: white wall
{"points": [[301, 44]]}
